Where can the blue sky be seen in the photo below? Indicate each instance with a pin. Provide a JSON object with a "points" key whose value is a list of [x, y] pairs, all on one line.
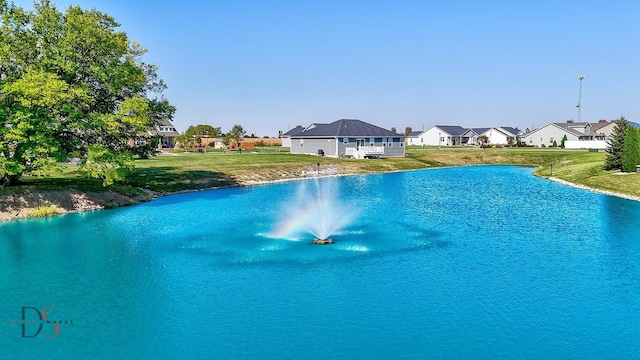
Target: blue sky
{"points": [[272, 65]]}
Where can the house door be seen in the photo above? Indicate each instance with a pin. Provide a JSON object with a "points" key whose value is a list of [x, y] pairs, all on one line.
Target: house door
{"points": [[359, 143]]}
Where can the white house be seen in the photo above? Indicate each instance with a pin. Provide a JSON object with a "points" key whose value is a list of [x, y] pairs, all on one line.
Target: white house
{"points": [[546, 135], [443, 135], [414, 138], [502, 135]]}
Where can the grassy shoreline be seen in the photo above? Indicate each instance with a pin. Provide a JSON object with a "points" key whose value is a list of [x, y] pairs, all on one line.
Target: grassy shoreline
{"points": [[179, 172]]}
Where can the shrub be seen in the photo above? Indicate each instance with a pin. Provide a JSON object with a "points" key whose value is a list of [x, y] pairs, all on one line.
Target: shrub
{"points": [[44, 211]]}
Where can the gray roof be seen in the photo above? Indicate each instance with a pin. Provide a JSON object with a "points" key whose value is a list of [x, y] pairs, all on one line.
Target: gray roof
{"points": [[566, 127], [295, 131], [514, 131], [598, 125], [452, 129], [164, 123], [346, 127], [480, 130], [415, 133], [570, 127]]}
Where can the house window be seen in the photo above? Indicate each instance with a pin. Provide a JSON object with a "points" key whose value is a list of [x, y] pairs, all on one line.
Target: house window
{"points": [[301, 143], [345, 141], [551, 140], [390, 140], [371, 143], [421, 140]]}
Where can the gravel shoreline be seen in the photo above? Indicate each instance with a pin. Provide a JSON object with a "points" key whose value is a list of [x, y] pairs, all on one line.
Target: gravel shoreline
{"points": [[605, 192]]}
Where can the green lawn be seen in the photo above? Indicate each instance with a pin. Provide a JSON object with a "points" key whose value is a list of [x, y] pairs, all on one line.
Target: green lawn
{"points": [[189, 171]]}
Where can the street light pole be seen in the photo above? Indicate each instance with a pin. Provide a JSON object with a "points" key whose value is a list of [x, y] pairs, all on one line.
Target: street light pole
{"points": [[580, 77]]}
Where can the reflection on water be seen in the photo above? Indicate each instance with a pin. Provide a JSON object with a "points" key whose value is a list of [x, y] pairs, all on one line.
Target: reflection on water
{"points": [[466, 262]]}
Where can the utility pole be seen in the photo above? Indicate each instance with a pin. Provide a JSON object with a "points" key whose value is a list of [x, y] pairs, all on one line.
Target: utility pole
{"points": [[580, 77]]}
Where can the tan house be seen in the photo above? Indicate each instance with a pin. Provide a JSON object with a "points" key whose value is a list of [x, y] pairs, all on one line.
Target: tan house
{"points": [[167, 133], [578, 135], [603, 128]]}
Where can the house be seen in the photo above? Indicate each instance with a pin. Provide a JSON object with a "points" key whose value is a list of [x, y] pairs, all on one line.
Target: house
{"points": [[286, 137], [473, 134], [503, 135], [167, 133], [546, 135], [451, 135], [347, 137], [443, 135], [603, 129], [413, 138]]}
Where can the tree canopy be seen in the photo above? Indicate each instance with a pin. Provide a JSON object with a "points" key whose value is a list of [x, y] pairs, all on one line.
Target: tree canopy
{"points": [[613, 158], [72, 85], [194, 134], [236, 133]]}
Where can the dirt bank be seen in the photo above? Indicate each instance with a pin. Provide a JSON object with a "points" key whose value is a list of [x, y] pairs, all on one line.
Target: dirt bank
{"points": [[22, 205], [17, 206]]}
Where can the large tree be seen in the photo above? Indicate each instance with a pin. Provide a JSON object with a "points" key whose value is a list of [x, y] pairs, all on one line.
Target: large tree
{"points": [[194, 134], [613, 159], [631, 151], [236, 133], [72, 85], [202, 130]]}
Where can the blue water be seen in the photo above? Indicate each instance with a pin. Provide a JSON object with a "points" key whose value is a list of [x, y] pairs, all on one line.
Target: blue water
{"points": [[472, 262]]}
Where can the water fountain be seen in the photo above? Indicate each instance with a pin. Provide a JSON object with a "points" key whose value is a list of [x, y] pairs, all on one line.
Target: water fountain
{"points": [[315, 209]]}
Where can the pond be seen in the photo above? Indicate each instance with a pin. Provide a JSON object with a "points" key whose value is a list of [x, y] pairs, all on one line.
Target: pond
{"points": [[469, 262]]}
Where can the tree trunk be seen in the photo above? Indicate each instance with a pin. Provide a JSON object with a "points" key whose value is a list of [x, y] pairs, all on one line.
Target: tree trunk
{"points": [[9, 180]]}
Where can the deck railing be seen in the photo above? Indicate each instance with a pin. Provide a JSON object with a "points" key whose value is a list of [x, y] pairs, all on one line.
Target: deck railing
{"points": [[364, 151]]}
